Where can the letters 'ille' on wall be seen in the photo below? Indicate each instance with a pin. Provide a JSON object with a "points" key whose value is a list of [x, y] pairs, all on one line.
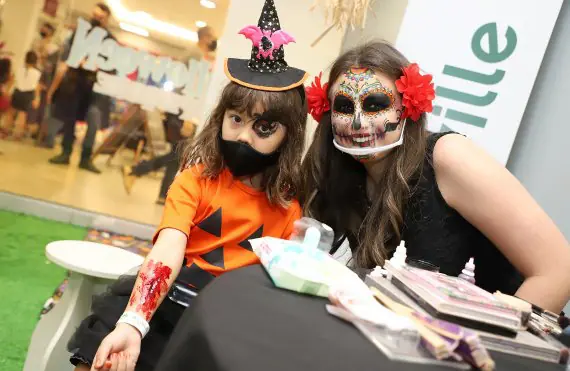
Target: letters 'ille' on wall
{"points": [[484, 56]]}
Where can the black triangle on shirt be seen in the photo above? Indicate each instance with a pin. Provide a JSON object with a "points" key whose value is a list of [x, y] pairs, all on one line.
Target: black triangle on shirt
{"points": [[215, 257], [246, 244], [213, 223]]}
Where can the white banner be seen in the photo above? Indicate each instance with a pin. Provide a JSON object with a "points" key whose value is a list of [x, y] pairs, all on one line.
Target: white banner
{"points": [[484, 56], [93, 50]]}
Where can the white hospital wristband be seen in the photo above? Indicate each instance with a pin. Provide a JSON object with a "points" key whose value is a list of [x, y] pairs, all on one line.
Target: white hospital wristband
{"points": [[135, 320]]}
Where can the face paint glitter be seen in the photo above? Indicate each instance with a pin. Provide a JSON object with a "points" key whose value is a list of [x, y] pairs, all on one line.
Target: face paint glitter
{"points": [[364, 113], [153, 283]]}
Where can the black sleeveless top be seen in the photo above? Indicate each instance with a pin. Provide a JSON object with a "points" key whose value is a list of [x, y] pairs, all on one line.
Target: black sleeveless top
{"points": [[437, 233]]}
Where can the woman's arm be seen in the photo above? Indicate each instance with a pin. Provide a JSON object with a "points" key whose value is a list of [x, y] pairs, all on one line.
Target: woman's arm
{"points": [[494, 202]]}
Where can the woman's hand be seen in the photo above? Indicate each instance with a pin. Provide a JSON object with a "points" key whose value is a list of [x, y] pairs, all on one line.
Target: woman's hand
{"points": [[119, 351], [35, 103]]}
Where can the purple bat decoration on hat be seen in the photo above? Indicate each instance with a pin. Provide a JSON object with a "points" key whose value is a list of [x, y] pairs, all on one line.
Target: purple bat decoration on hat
{"points": [[266, 41]]}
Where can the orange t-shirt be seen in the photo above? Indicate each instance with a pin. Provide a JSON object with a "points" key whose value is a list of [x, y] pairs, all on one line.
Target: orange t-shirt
{"points": [[219, 216]]}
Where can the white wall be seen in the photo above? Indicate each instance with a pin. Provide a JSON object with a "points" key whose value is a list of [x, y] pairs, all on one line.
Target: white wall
{"points": [[540, 157], [296, 19], [18, 26], [383, 22]]}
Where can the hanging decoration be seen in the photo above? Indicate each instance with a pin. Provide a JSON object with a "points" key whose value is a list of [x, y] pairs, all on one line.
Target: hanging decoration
{"points": [[342, 14]]}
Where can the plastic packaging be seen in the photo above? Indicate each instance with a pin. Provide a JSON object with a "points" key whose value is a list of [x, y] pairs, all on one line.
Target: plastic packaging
{"points": [[305, 231], [295, 266]]}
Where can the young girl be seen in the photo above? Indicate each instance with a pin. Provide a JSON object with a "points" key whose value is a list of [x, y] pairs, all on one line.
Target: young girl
{"points": [[376, 176], [238, 182], [25, 96]]}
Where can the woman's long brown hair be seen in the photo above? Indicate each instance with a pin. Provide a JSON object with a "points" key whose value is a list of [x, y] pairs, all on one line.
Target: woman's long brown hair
{"points": [[280, 182], [334, 191]]}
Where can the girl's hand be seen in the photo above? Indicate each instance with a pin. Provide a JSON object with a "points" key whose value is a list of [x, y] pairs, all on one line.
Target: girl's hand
{"points": [[119, 351], [35, 103]]}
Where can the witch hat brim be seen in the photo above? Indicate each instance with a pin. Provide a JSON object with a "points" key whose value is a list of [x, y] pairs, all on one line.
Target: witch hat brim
{"points": [[238, 71], [266, 69]]}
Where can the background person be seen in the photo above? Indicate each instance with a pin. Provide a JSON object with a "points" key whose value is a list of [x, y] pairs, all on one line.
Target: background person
{"points": [[48, 54], [25, 96], [176, 131], [74, 100]]}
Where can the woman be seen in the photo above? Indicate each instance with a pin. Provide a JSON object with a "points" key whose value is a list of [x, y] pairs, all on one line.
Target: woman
{"points": [[376, 176]]}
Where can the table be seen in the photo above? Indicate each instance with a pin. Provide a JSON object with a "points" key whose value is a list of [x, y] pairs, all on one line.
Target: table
{"points": [[242, 322], [93, 266]]}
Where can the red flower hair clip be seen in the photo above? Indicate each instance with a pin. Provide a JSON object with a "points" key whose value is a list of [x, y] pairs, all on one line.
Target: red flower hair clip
{"points": [[417, 92], [317, 99]]}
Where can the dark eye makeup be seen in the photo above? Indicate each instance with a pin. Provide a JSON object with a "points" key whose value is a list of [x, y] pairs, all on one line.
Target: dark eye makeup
{"points": [[265, 129], [391, 126], [376, 102], [264, 125], [267, 123], [343, 104]]}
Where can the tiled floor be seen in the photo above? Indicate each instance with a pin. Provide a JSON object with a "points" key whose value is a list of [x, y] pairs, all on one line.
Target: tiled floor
{"points": [[24, 170]]}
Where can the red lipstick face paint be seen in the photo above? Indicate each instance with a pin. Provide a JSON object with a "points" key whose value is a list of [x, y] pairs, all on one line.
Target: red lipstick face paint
{"points": [[153, 283]]}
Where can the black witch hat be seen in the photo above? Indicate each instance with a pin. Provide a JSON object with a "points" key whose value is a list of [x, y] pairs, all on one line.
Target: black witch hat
{"points": [[266, 69]]}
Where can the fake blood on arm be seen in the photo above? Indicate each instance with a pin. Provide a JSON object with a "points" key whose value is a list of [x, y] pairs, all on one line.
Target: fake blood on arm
{"points": [[153, 283]]}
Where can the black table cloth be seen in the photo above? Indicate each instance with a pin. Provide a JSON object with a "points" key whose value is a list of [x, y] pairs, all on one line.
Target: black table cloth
{"points": [[241, 322]]}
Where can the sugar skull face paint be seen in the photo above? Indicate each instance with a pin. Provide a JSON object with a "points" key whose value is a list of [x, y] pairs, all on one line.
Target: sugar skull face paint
{"points": [[366, 112]]}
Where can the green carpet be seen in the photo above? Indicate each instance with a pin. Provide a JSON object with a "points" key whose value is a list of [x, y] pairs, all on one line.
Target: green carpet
{"points": [[27, 279]]}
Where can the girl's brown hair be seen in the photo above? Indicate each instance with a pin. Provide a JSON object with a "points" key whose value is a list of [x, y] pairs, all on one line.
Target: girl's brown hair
{"points": [[335, 188], [280, 182], [31, 58]]}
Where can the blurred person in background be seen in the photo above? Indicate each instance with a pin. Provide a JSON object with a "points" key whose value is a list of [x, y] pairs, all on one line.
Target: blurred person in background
{"points": [[6, 83], [176, 131], [71, 92], [207, 43], [48, 54], [25, 96]]}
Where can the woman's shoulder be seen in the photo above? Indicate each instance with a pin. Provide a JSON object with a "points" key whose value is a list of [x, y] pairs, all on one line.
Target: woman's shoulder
{"points": [[441, 139]]}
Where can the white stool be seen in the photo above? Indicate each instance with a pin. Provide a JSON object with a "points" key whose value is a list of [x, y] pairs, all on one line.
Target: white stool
{"points": [[93, 266]]}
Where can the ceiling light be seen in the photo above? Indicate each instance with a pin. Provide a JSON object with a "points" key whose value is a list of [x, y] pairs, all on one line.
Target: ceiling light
{"points": [[200, 24], [143, 19], [134, 29], [208, 4]]}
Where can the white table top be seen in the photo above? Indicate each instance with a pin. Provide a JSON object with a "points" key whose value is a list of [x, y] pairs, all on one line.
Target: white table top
{"points": [[92, 259]]}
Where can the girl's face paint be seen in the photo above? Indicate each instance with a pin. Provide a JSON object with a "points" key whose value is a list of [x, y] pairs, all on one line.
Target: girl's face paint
{"points": [[366, 110], [153, 283]]}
